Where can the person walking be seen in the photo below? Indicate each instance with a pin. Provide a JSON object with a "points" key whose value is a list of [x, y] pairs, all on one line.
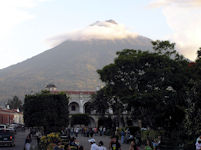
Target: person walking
{"points": [[101, 147], [38, 136], [122, 136], [73, 145], [148, 145], [76, 131], [27, 145], [81, 148], [91, 132], [93, 144], [114, 144], [198, 144], [133, 145]]}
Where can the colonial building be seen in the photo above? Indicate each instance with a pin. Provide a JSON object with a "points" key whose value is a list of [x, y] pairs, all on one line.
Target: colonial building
{"points": [[79, 104], [10, 116], [79, 100]]}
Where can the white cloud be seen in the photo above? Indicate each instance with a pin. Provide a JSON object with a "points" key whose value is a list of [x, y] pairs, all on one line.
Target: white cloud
{"points": [[183, 17], [181, 3], [100, 30]]}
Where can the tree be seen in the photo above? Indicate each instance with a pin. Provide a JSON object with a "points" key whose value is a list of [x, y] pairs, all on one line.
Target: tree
{"points": [[192, 121], [15, 103], [100, 101], [150, 83], [80, 119], [105, 122], [46, 110]]}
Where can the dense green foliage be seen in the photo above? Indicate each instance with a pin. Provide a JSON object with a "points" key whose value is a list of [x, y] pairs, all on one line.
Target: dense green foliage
{"points": [[161, 88], [151, 83], [193, 110], [46, 110], [100, 102], [80, 119], [105, 122], [15, 103]]}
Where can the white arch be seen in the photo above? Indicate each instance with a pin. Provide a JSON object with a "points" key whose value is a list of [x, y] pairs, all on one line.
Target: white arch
{"points": [[74, 107]]}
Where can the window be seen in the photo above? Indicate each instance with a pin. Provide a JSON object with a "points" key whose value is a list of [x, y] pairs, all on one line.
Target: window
{"points": [[73, 108]]}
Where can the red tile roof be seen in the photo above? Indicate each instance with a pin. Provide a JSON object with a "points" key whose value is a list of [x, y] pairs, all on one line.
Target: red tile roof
{"points": [[9, 110]]}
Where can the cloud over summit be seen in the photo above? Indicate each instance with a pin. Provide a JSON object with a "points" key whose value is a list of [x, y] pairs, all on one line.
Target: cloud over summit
{"points": [[108, 29]]}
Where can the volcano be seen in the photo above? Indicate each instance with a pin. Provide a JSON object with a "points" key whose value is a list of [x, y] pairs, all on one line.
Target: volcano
{"points": [[72, 63]]}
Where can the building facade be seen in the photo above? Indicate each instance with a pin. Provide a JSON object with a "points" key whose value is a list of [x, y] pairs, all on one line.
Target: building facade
{"points": [[79, 102], [10, 116]]}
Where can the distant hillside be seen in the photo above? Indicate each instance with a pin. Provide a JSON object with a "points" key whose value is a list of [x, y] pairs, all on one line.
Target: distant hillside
{"points": [[71, 65]]}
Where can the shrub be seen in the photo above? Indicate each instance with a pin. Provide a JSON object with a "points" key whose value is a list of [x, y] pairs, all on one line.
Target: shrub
{"points": [[79, 119]]}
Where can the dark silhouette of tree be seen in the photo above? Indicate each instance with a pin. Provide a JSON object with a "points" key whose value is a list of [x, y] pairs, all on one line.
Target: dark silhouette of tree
{"points": [[46, 110], [152, 84], [80, 119], [15, 103]]}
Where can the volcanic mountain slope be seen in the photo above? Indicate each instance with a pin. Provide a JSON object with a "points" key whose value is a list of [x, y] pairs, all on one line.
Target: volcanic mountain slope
{"points": [[70, 65]]}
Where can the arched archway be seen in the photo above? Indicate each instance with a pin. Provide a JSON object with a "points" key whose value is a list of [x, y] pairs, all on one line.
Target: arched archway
{"points": [[74, 108], [87, 108]]}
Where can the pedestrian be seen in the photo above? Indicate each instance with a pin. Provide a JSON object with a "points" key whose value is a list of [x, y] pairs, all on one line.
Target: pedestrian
{"points": [[114, 144], [138, 142], [104, 130], [148, 145], [38, 136], [91, 132], [73, 144], [93, 144], [198, 144], [133, 145], [27, 145], [88, 132], [122, 136], [155, 144], [101, 147], [71, 131], [76, 131], [199, 138], [81, 148]]}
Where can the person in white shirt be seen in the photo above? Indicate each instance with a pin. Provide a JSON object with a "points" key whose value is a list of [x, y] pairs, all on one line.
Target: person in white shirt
{"points": [[93, 144], [199, 138], [101, 147], [198, 145]]}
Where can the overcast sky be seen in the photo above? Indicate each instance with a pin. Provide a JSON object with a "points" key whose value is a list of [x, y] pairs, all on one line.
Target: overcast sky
{"points": [[27, 25]]}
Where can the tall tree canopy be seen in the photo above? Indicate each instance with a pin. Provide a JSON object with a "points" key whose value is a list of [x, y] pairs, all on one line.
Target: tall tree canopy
{"points": [[193, 109], [15, 103], [46, 110], [151, 83]]}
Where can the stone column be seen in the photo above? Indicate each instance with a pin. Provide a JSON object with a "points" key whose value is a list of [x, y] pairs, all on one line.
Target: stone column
{"points": [[81, 106]]}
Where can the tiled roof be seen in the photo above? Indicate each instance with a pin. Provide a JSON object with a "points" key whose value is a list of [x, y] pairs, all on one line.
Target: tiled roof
{"points": [[9, 111]]}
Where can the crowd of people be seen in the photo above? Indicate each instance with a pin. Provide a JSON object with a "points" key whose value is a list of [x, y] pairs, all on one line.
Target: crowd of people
{"points": [[118, 138], [84, 131]]}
